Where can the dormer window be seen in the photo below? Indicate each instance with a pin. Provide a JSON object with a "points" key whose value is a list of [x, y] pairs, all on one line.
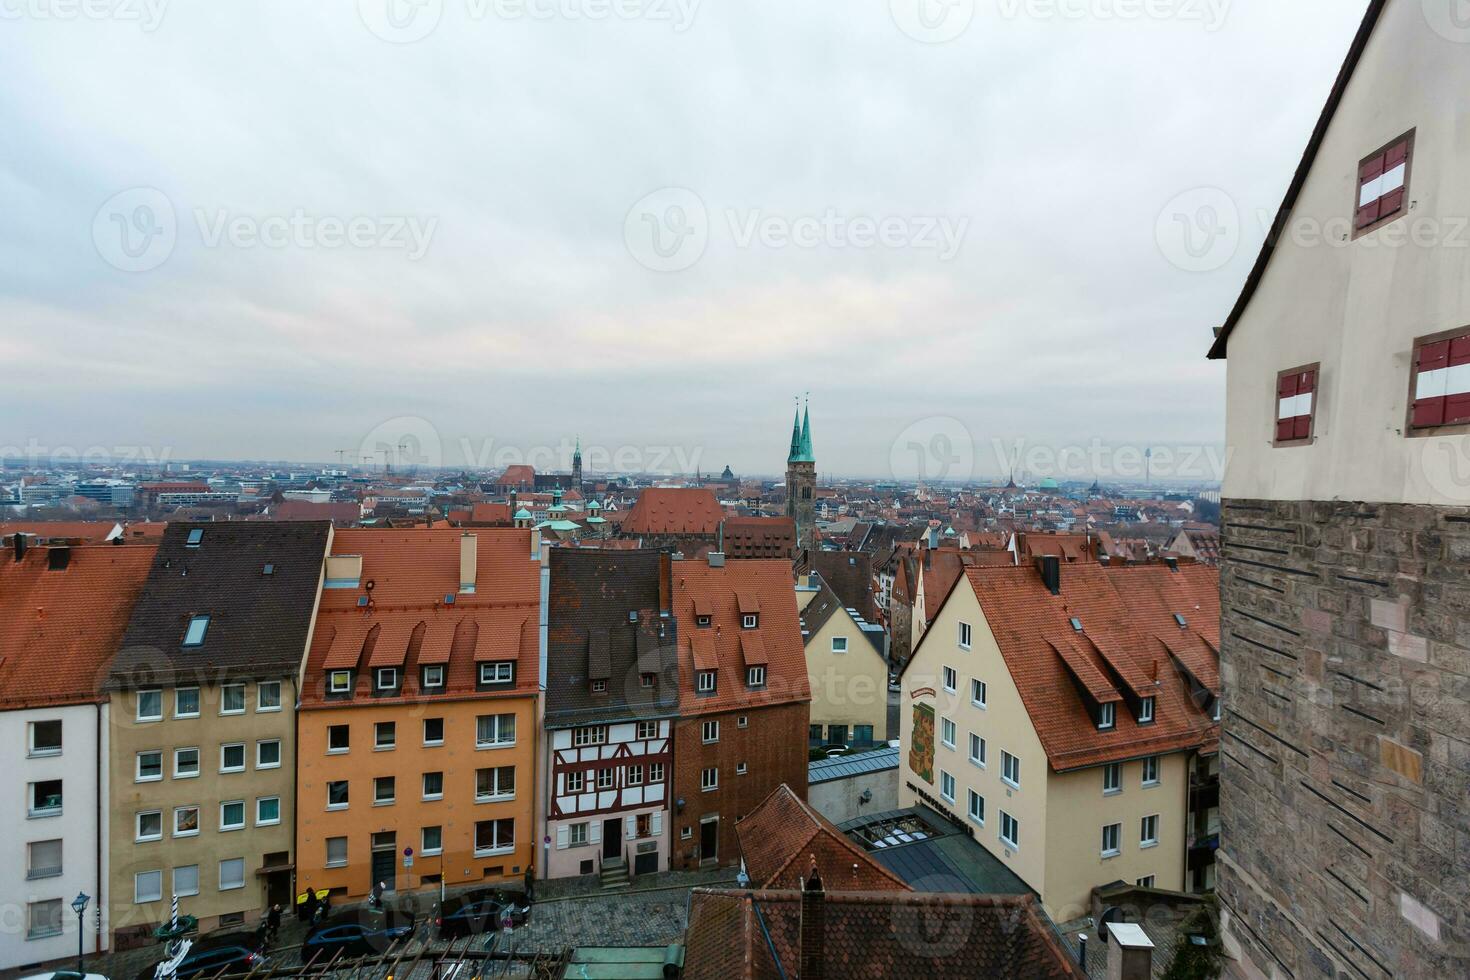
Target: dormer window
{"points": [[647, 680], [433, 677], [702, 622], [387, 678], [194, 635], [755, 677], [339, 682], [599, 687], [704, 682], [497, 673], [195, 539], [1145, 711], [1106, 716], [750, 621]]}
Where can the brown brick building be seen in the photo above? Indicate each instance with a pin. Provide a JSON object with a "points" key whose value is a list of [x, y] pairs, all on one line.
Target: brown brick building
{"points": [[743, 701]]}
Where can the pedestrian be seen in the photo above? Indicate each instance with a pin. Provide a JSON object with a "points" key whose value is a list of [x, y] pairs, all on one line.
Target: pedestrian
{"points": [[377, 896], [307, 904], [273, 920]]}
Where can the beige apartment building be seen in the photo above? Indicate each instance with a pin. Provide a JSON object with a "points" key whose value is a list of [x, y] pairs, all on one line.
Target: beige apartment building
{"points": [[201, 752], [847, 669], [1048, 710]]}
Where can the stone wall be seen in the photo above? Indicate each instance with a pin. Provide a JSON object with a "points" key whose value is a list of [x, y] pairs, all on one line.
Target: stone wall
{"points": [[1345, 750]]}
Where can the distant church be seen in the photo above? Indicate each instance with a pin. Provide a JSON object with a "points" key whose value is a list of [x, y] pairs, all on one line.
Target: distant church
{"points": [[801, 480]]}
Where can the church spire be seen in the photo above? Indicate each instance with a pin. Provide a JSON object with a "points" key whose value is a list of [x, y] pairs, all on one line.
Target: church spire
{"points": [[807, 456], [795, 453]]}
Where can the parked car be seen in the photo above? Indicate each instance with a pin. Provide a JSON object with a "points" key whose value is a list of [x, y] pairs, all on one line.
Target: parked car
{"points": [[227, 953], [65, 975], [362, 932], [480, 911]]}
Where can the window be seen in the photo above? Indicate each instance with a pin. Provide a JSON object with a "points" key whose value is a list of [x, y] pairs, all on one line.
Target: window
{"points": [[1112, 778], [709, 779], [147, 886], [1151, 771], [385, 735], [743, 721], [339, 738], [1010, 769], [339, 682], [433, 677], [951, 680], [977, 808], [268, 696], [946, 786], [978, 693], [704, 682], [195, 538], [1148, 831], [194, 634], [431, 841], [577, 835], [965, 633], [1105, 716], [647, 680], [710, 731], [643, 824], [150, 766], [1110, 835], [186, 821], [599, 686], [1296, 405], [498, 783], [740, 769], [186, 763], [433, 786], [232, 699], [45, 738], [495, 730], [43, 859], [576, 782], [1440, 383], [862, 734], [1145, 710], [267, 811], [148, 825], [268, 754], [387, 678], [839, 644], [337, 795], [648, 729], [749, 621], [606, 778], [593, 735], [494, 835], [186, 702], [150, 705], [336, 852], [947, 732], [977, 750], [497, 673], [1147, 881], [814, 733], [655, 772], [231, 874], [186, 880], [45, 798], [755, 677], [635, 775], [44, 919], [1383, 185], [1010, 831], [433, 731], [232, 815], [1076, 624], [384, 790]]}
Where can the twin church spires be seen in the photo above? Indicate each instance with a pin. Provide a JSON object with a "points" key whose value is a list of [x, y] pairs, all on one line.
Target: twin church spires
{"points": [[801, 480]]}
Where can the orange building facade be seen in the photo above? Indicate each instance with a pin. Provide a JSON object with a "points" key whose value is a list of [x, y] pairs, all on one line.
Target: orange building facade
{"points": [[420, 715]]}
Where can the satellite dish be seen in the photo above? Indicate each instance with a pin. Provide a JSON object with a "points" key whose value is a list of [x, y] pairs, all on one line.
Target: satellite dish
{"points": [[1110, 914]]}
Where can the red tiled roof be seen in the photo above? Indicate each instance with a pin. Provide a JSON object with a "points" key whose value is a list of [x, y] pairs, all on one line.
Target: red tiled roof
{"points": [[759, 537], [484, 513], [338, 512], [674, 510], [765, 581], [782, 836], [520, 475], [59, 630]]}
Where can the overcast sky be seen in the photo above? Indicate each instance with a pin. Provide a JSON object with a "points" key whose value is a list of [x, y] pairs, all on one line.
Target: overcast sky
{"points": [[275, 229]]}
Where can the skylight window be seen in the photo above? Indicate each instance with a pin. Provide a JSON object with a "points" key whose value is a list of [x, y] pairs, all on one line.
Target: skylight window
{"points": [[196, 537], [449, 598], [1178, 618], [269, 569], [1076, 624], [362, 602], [194, 635]]}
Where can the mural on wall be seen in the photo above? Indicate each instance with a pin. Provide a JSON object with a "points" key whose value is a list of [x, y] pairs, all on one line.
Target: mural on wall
{"points": [[921, 752]]}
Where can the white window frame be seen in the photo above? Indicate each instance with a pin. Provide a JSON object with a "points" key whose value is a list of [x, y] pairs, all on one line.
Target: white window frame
{"points": [[589, 735], [490, 672], [378, 800], [948, 732], [966, 636], [1147, 881], [339, 806], [740, 769], [378, 744], [345, 749], [433, 677], [709, 779], [977, 741], [1112, 779], [198, 820], [385, 679], [704, 682], [951, 679], [750, 621], [47, 752], [607, 777], [139, 837], [138, 776], [261, 744], [576, 782], [1151, 763], [181, 890], [979, 693], [709, 731], [839, 644], [328, 861], [244, 756], [1144, 838], [229, 827], [974, 797], [424, 785], [497, 847], [231, 887], [1014, 841], [577, 835], [198, 763], [138, 893], [947, 786], [260, 688], [1010, 769], [655, 772], [197, 702], [647, 730], [433, 742], [267, 823], [497, 794], [339, 682], [1107, 716], [1112, 840], [223, 693], [755, 676], [497, 742], [142, 718], [44, 905], [1146, 708], [634, 775], [424, 847]]}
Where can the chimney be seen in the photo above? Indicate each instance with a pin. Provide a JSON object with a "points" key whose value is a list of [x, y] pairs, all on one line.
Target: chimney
{"points": [[813, 927], [469, 560], [58, 558], [716, 559], [665, 584], [1050, 567], [1130, 952], [18, 541]]}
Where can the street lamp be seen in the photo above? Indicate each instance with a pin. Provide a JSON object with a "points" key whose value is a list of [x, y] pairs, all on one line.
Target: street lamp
{"points": [[79, 906]]}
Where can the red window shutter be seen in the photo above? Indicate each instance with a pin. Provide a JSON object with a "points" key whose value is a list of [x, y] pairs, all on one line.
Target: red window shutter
{"points": [[1369, 213], [1429, 412], [1432, 357], [1301, 427], [1372, 169], [1460, 351], [1395, 156], [1306, 382], [1391, 203], [1286, 387], [1456, 409], [1285, 430]]}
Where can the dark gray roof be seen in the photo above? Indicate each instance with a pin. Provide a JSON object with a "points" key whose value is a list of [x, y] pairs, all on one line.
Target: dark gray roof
{"points": [[946, 860], [843, 766], [827, 604], [258, 622]]}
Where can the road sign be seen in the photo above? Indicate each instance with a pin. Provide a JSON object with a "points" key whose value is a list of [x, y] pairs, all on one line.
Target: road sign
{"points": [[408, 852]]}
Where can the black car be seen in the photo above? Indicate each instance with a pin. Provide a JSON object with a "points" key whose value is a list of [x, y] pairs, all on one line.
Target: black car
{"points": [[364, 932], [231, 953], [480, 911]]}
